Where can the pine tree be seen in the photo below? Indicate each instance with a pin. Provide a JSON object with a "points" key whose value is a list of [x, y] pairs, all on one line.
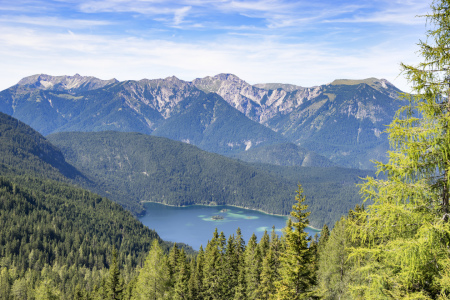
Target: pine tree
{"points": [[405, 239], [230, 271], [296, 270], [213, 268], [199, 274], [253, 261], [114, 287], [192, 285], [181, 277], [269, 275]]}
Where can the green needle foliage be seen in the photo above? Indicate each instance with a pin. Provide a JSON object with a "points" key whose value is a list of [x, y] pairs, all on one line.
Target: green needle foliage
{"points": [[405, 238], [296, 272]]}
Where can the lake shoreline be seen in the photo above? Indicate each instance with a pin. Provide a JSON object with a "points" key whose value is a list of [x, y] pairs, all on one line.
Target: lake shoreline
{"points": [[209, 205]]}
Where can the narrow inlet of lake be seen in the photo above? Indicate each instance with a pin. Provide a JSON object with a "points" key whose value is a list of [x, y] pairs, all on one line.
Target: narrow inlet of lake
{"points": [[194, 225]]}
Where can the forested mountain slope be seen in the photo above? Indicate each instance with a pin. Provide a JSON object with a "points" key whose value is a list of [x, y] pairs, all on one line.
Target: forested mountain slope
{"points": [[50, 228], [23, 150], [148, 168]]}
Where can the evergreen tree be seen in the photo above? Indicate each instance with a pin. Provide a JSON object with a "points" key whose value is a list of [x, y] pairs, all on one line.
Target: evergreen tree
{"points": [[174, 255], [334, 266], [46, 291], [231, 268], [199, 274], [406, 234], [154, 278], [269, 275], [212, 269], [253, 261], [114, 286], [241, 288], [296, 270], [181, 277], [192, 285], [5, 284]]}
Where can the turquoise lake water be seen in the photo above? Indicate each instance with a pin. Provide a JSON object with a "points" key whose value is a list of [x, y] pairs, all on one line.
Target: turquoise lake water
{"points": [[193, 225]]}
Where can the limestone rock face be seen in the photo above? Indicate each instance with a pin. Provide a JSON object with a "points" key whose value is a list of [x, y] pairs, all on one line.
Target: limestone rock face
{"points": [[343, 121], [64, 83]]}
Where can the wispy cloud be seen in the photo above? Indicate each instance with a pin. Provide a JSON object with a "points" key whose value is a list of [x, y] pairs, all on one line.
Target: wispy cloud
{"points": [[300, 42], [53, 21], [180, 14]]}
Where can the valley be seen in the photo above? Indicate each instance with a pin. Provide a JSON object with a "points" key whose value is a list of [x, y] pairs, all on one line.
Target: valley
{"points": [[185, 147]]}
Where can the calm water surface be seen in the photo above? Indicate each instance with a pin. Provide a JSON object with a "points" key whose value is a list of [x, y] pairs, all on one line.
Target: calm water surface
{"points": [[194, 225]]}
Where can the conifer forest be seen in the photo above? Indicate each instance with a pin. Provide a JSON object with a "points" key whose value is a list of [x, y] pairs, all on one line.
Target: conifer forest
{"points": [[60, 241]]}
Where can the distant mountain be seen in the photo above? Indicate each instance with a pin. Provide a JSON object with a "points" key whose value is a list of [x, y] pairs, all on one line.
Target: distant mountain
{"points": [[342, 121], [165, 107]]}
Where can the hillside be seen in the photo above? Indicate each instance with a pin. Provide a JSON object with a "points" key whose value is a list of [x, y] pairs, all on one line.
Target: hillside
{"points": [[23, 150], [149, 168], [52, 228]]}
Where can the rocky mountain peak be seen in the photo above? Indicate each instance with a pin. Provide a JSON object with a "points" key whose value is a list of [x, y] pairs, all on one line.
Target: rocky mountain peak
{"points": [[64, 83]]}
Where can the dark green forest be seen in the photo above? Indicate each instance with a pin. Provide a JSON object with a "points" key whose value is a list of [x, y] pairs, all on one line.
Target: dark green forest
{"points": [[59, 241], [134, 167]]}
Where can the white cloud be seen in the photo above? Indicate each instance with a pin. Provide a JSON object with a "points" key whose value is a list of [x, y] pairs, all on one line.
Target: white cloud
{"points": [[180, 14], [304, 64], [52, 21]]}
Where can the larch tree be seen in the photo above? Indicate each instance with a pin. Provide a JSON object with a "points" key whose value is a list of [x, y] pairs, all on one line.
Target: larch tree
{"points": [[405, 238], [153, 281]]}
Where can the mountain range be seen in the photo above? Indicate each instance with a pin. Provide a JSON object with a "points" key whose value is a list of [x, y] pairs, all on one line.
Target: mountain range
{"points": [[340, 123]]}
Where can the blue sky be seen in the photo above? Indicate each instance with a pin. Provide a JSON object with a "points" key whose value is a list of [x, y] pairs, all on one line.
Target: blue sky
{"points": [[300, 42]]}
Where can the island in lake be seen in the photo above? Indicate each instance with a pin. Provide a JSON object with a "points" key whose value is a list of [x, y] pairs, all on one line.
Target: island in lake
{"points": [[217, 217]]}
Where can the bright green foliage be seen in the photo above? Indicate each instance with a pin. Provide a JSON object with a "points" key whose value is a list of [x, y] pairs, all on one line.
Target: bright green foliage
{"points": [[181, 277], [5, 284], [269, 275], [19, 289], [296, 270], [47, 291], [405, 239], [334, 267], [253, 261], [154, 278]]}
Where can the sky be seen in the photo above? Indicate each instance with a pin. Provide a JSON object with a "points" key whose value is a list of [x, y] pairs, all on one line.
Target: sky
{"points": [[301, 42]]}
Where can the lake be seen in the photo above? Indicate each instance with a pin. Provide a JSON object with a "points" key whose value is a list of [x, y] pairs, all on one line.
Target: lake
{"points": [[193, 225]]}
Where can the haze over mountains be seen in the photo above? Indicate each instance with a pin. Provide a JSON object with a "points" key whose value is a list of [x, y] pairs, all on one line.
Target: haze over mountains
{"points": [[335, 124]]}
